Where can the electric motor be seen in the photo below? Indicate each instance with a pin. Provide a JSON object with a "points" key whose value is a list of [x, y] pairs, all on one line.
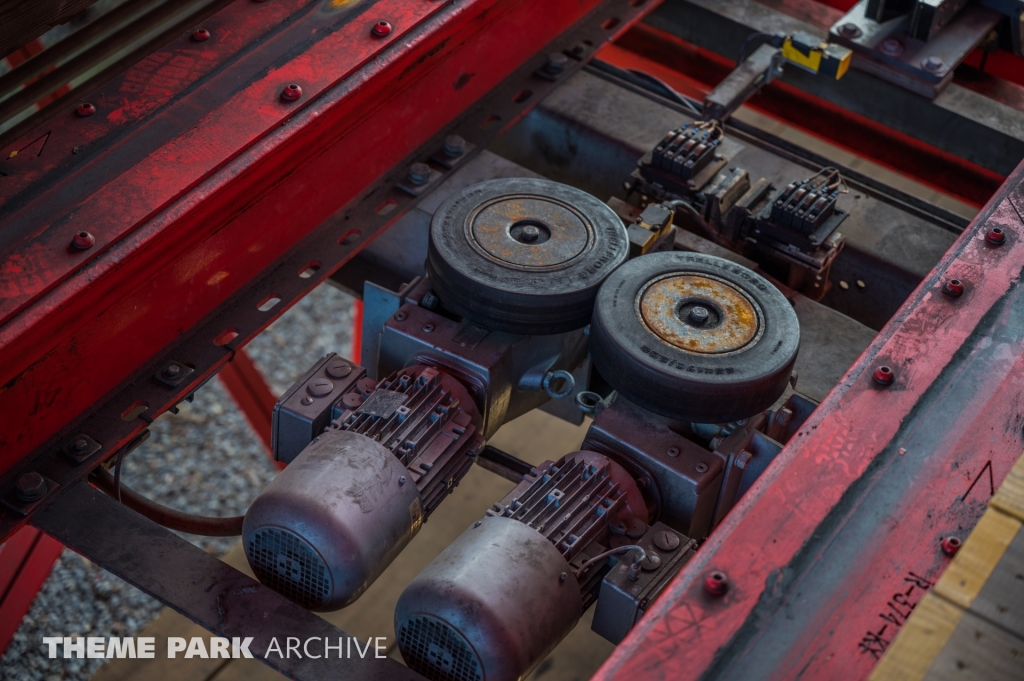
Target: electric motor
{"points": [[513, 585], [523, 256], [341, 511], [694, 337]]}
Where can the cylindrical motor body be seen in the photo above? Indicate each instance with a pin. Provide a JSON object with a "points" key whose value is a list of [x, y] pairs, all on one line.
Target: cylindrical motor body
{"points": [[490, 607], [332, 521]]}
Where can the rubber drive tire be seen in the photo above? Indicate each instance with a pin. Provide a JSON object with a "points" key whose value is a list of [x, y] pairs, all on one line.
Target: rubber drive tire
{"points": [[684, 385], [522, 299]]}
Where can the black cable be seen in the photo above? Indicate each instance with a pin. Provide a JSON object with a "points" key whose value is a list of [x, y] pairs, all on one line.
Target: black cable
{"points": [[117, 473], [762, 38]]}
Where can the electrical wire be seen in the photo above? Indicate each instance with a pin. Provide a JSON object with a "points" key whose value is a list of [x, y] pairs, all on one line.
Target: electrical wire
{"points": [[665, 89], [162, 515], [611, 552], [701, 222]]}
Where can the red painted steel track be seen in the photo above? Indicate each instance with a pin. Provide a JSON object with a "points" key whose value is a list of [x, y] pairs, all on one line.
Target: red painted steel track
{"points": [[839, 539], [194, 176], [25, 562]]}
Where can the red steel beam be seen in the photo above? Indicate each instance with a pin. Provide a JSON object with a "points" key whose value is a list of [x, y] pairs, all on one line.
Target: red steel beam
{"points": [[247, 387], [680, 63], [837, 541], [195, 176], [26, 560]]}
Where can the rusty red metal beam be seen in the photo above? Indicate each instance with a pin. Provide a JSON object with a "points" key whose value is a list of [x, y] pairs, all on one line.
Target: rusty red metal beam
{"points": [[194, 176], [689, 67], [833, 546], [247, 387], [26, 560]]}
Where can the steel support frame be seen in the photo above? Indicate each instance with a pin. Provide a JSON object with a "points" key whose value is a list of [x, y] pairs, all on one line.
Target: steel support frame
{"points": [[834, 545], [960, 121], [85, 355], [206, 590]]}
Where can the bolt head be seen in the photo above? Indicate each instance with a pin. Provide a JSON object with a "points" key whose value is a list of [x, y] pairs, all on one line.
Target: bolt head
{"points": [[454, 146], [996, 236], [172, 370], [884, 375], [428, 328], [80, 444], [401, 480], [201, 36], [429, 301], [716, 583], [556, 63], [82, 241], [701, 467], [953, 288], [891, 47], [419, 174], [850, 30], [85, 109], [381, 29], [950, 545], [30, 486], [933, 64], [698, 316], [291, 93], [672, 451], [400, 316]]}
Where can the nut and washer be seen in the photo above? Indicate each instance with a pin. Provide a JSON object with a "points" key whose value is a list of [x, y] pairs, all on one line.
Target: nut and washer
{"points": [[381, 29], [172, 371], [30, 487], [891, 47], [933, 64], [556, 63], [850, 30], [716, 583], [701, 467], [454, 146], [82, 241], [953, 288], [950, 545], [85, 109], [201, 36], [419, 174], [996, 236], [884, 375], [291, 93]]}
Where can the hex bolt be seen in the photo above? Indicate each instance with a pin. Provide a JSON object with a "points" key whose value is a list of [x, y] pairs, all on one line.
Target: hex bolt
{"points": [[82, 241], [320, 387], [80, 444], [579, 50], [701, 468], [291, 93], [884, 375], [666, 541], [338, 369], [716, 583], [556, 63], [672, 451], [698, 316], [400, 316], [401, 480], [529, 234], [419, 174], [85, 109], [381, 29], [996, 236], [201, 36], [933, 64], [850, 30], [950, 545], [454, 146], [428, 327], [30, 486], [891, 47], [953, 288], [429, 301]]}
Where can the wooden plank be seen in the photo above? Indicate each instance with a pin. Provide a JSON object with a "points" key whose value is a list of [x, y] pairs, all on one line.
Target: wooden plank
{"points": [[919, 642], [1001, 600], [1010, 497], [979, 650]]}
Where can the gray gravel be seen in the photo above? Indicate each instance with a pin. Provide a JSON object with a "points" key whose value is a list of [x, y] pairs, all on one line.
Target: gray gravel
{"points": [[205, 460]]}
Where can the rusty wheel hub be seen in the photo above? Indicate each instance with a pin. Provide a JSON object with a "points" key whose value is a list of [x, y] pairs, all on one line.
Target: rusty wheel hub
{"points": [[529, 232], [699, 313]]}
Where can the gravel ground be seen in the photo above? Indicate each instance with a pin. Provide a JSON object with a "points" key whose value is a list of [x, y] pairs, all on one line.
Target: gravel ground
{"points": [[205, 460]]}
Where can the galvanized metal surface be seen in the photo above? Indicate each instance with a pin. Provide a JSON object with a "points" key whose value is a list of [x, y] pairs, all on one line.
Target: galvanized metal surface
{"points": [[839, 539]]}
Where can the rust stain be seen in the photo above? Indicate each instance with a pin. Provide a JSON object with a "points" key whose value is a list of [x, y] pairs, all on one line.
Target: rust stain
{"points": [[733, 323]]}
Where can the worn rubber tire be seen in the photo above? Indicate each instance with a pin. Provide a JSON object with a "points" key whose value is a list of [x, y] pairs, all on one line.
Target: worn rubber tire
{"points": [[686, 385], [519, 298]]}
